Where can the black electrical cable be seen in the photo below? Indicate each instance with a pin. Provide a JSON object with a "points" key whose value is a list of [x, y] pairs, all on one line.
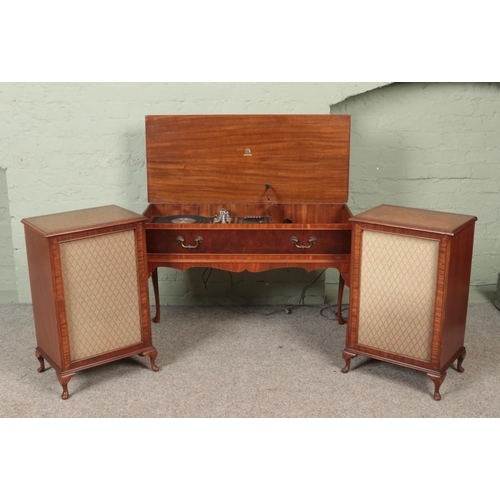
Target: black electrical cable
{"points": [[287, 309]]}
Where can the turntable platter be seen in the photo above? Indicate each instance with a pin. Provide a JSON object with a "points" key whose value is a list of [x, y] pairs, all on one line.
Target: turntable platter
{"points": [[182, 219]]}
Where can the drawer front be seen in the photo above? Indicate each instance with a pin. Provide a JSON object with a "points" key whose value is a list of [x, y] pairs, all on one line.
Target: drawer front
{"points": [[246, 241]]}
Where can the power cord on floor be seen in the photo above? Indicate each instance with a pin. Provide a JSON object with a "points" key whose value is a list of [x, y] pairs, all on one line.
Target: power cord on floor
{"points": [[287, 309]]}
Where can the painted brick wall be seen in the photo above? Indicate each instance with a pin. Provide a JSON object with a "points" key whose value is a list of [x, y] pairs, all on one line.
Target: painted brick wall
{"points": [[67, 146], [72, 146], [8, 285], [433, 146]]}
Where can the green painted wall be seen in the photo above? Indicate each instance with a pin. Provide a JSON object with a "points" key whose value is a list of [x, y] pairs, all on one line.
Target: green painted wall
{"points": [[8, 285], [433, 146], [67, 146]]}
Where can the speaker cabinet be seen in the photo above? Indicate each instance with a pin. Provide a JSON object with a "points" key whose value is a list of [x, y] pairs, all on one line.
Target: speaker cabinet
{"points": [[410, 275], [88, 277]]}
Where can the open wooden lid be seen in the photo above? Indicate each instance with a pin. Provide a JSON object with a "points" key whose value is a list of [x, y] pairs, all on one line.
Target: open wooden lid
{"points": [[248, 158]]}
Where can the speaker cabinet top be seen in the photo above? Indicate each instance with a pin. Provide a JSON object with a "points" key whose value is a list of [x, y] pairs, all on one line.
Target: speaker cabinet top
{"points": [[81, 220], [415, 218]]}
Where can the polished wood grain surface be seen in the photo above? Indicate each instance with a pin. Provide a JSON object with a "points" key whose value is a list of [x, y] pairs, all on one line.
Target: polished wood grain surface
{"points": [[293, 213], [301, 158], [39, 250], [239, 262], [270, 240], [49, 288], [407, 218], [291, 169], [454, 234], [77, 220], [456, 298]]}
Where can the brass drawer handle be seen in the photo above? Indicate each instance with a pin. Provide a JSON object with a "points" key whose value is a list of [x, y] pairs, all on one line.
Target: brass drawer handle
{"points": [[198, 240], [295, 240]]}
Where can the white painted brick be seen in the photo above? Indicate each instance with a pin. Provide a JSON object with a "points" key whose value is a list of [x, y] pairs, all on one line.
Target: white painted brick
{"points": [[116, 109], [419, 139], [431, 146], [457, 169], [480, 186]]}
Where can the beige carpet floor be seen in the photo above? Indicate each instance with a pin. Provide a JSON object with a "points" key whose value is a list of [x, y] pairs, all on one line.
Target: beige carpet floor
{"points": [[249, 362]]}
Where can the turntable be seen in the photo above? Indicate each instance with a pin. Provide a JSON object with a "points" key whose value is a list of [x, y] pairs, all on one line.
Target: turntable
{"points": [[248, 192], [181, 219], [223, 218]]}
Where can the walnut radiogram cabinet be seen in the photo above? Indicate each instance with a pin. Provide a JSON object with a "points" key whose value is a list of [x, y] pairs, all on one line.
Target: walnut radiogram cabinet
{"points": [[89, 287], [248, 192], [410, 275]]}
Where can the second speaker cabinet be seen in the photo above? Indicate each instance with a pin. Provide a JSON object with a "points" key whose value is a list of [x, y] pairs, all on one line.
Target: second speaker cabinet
{"points": [[88, 277], [410, 275]]}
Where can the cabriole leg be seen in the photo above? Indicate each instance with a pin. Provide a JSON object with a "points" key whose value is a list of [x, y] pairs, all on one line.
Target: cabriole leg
{"points": [[64, 380], [154, 278], [460, 361], [347, 357], [152, 357], [438, 379], [340, 319], [38, 355]]}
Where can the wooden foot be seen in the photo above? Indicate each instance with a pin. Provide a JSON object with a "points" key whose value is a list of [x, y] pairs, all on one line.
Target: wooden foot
{"points": [[154, 279], [460, 361], [340, 319], [438, 379], [152, 357], [347, 357], [64, 380], [41, 368]]}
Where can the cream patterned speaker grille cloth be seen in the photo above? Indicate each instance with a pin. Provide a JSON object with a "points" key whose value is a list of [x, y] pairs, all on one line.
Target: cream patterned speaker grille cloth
{"points": [[397, 293], [101, 292]]}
